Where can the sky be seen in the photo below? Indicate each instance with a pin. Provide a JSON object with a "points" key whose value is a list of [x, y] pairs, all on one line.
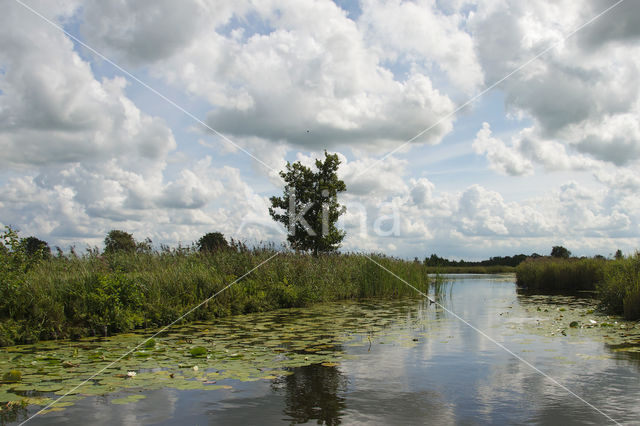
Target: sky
{"points": [[468, 129]]}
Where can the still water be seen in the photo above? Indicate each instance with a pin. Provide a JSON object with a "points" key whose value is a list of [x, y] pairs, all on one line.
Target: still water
{"points": [[384, 362]]}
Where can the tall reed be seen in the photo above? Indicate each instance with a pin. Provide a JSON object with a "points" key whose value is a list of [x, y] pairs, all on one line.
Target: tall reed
{"points": [[620, 288], [617, 282], [104, 294], [554, 275]]}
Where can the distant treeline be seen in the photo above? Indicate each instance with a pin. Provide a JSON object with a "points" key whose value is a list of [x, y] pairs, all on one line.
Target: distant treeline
{"points": [[512, 261]]}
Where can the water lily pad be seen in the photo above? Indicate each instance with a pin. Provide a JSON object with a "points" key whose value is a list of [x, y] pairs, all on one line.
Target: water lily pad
{"points": [[8, 397], [198, 351], [12, 376], [52, 410], [48, 387]]}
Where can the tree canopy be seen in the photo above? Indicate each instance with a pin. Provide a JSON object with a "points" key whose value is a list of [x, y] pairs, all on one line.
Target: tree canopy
{"points": [[212, 241], [35, 247], [561, 252], [119, 241], [309, 207]]}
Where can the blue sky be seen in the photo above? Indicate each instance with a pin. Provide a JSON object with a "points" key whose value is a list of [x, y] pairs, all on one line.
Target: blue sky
{"points": [[549, 156]]}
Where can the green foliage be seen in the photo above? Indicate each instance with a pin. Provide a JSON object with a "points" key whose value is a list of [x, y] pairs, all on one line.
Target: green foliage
{"points": [[36, 248], [13, 261], [504, 263], [493, 269], [71, 297], [211, 242], [620, 289], [16, 258], [198, 351], [119, 241], [144, 246], [560, 252], [558, 275], [113, 302], [12, 376], [309, 207], [617, 281]]}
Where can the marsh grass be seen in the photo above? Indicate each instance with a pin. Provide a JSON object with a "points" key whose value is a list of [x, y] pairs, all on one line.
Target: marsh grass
{"points": [[620, 287], [71, 297], [616, 282], [554, 275]]}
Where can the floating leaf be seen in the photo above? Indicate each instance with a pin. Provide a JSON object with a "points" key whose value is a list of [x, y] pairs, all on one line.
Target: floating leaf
{"points": [[198, 351], [52, 409], [12, 376], [8, 397], [48, 387]]}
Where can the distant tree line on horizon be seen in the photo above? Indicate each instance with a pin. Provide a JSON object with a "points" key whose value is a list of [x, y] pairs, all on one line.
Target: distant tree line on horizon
{"points": [[121, 241], [558, 252]]}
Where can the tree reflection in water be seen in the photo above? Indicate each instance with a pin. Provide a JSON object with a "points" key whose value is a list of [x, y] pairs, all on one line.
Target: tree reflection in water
{"points": [[313, 392]]}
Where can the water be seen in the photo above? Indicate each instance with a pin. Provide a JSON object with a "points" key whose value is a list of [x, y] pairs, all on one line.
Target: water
{"points": [[409, 362]]}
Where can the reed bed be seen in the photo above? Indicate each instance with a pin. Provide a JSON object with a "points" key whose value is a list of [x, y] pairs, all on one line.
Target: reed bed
{"points": [[72, 297], [620, 287], [615, 282], [555, 275]]}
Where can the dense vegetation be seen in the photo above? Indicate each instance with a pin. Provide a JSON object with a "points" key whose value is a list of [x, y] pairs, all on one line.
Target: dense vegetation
{"points": [[616, 282], [97, 294], [620, 288], [561, 275], [493, 264], [493, 269]]}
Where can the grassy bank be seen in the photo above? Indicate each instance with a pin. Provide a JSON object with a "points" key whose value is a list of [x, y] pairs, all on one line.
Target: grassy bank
{"points": [[64, 297], [616, 282]]}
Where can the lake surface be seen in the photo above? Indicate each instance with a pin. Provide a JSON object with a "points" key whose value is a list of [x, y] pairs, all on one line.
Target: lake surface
{"points": [[374, 362]]}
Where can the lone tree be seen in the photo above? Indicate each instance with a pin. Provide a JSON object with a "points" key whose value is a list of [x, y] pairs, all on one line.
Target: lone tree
{"points": [[561, 252], [117, 240], [212, 241], [309, 208]]}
